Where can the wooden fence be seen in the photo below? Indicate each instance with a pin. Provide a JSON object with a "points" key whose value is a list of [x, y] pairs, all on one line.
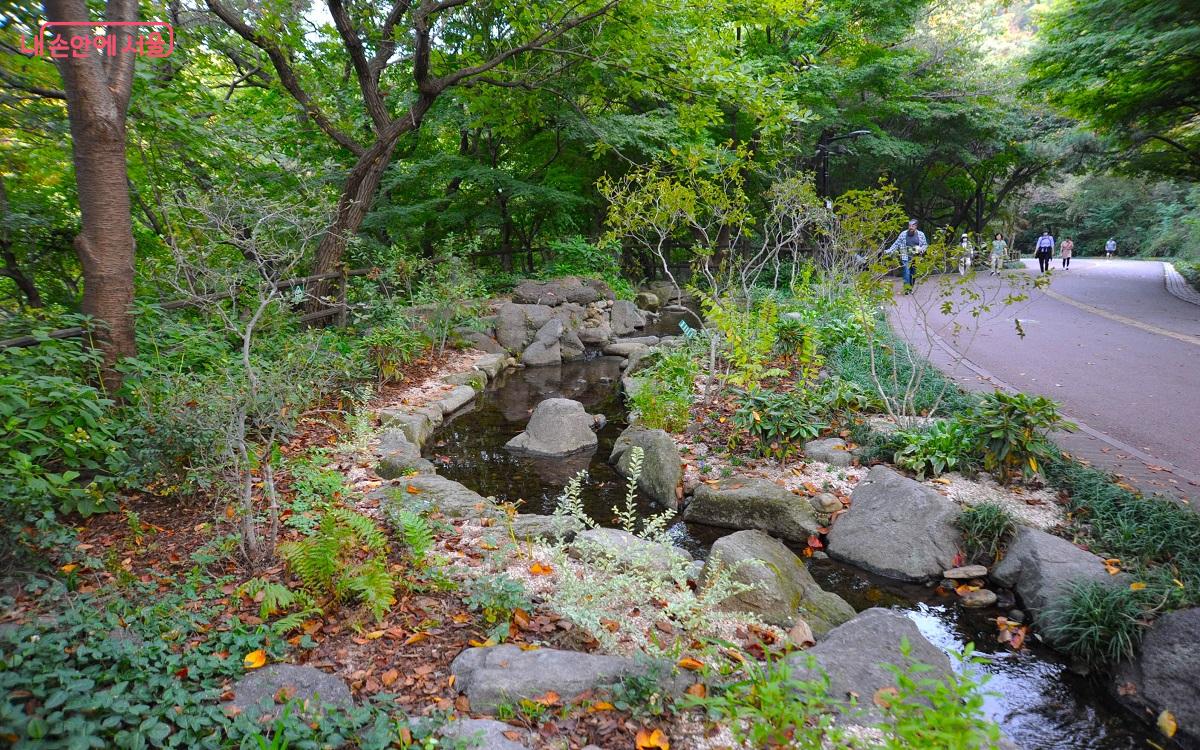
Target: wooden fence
{"points": [[339, 308]]}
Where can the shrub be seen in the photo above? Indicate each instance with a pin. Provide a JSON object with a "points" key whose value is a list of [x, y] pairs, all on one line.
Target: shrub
{"points": [[1013, 431], [747, 335], [1098, 623], [575, 256], [943, 446], [904, 378], [345, 558], [985, 528], [942, 712], [663, 397], [775, 421], [392, 346], [497, 597]]}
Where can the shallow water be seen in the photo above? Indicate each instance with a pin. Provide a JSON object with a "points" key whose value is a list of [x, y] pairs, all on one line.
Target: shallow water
{"points": [[1032, 694]]}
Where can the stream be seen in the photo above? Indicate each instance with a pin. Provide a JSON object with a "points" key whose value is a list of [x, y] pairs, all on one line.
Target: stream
{"points": [[1032, 694]]}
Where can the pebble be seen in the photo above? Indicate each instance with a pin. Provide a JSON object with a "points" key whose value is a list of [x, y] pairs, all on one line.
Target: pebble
{"points": [[978, 599], [966, 572], [826, 502], [1016, 615]]}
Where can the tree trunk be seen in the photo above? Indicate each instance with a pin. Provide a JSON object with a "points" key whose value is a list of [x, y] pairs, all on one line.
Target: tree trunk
{"points": [[12, 269], [98, 93]]}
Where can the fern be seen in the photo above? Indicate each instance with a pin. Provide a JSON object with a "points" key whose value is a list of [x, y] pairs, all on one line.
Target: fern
{"points": [[416, 532], [372, 584], [276, 598]]}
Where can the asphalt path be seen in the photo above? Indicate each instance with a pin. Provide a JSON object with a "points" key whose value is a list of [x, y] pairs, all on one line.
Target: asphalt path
{"points": [[1104, 338]]}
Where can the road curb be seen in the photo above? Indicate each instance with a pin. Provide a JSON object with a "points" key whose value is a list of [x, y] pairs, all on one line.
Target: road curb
{"points": [[1178, 286]]}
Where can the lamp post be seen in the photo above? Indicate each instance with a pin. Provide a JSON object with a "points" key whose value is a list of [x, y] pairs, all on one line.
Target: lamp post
{"points": [[823, 149]]}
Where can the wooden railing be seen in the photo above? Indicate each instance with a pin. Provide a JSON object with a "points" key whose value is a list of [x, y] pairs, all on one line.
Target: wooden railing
{"points": [[339, 308]]}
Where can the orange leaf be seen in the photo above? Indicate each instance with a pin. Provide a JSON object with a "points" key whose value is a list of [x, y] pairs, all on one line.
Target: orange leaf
{"points": [[390, 676], [69, 567], [814, 541], [651, 740], [698, 690], [884, 696], [541, 569], [600, 706], [415, 638], [1167, 724], [412, 490], [521, 618], [551, 698], [1137, 586], [255, 659], [965, 589], [688, 662]]}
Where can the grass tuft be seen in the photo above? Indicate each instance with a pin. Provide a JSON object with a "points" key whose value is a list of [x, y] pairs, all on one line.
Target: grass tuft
{"points": [[1098, 623], [985, 528]]}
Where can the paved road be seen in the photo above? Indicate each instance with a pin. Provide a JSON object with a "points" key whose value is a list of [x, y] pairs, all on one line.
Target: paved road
{"points": [[1108, 341]]}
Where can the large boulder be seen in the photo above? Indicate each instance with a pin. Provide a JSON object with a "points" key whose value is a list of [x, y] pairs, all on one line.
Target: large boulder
{"points": [[557, 291], [646, 301], [492, 365], [1042, 568], [625, 317], [857, 653], [459, 396], [516, 324], [545, 348], [314, 688], [431, 492], [399, 456], [627, 549], [571, 346], [897, 528], [493, 676], [485, 734], [596, 333], [662, 468], [558, 426], [539, 528], [745, 503], [781, 587], [1165, 674]]}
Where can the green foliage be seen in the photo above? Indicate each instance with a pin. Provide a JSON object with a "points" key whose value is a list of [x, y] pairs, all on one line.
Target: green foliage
{"points": [[275, 598], [575, 256], [943, 446], [1098, 623], [942, 712], [797, 341], [392, 346], [345, 558], [985, 528], [747, 336], [641, 694], [663, 397], [898, 366], [496, 597], [417, 533], [775, 421], [1014, 431]]}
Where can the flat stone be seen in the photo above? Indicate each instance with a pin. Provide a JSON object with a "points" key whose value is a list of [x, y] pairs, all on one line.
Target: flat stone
{"points": [[431, 492], [751, 503], [1165, 674], [625, 349], [480, 341], [647, 340], [308, 684], [978, 599], [646, 301], [627, 549], [476, 379], [897, 528], [856, 654], [399, 457], [545, 528], [965, 572], [457, 399], [1043, 568], [782, 589], [597, 334], [829, 450], [417, 426], [485, 734], [492, 364], [662, 467], [557, 427], [501, 674]]}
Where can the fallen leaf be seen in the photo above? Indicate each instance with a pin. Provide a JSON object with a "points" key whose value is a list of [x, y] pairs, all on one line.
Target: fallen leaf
{"points": [[541, 569], [255, 659], [412, 490], [1127, 688], [600, 706], [390, 676], [1137, 586], [521, 618], [885, 696], [415, 638], [1167, 724], [69, 568], [651, 740], [688, 662], [965, 589], [1113, 565], [815, 542], [374, 635], [697, 690], [550, 698]]}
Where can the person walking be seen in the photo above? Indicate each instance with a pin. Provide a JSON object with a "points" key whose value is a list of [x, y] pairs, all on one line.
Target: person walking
{"points": [[968, 255], [1044, 250], [1110, 248], [999, 253], [1065, 250], [909, 244]]}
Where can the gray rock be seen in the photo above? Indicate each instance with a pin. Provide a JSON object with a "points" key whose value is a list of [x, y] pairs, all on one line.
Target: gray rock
{"points": [[666, 292], [492, 676], [431, 492], [826, 502], [492, 365], [596, 335], [457, 398], [545, 528], [417, 426], [516, 324], [965, 572], [571, 346], [646, 301], [476, 379], [627, 549], [662, 468], [485, 734], [977, 599], [399, 457], [832, 451], [897, 528], [545, 348], [480, 341], [745, 503], [558, 426], [625, 349], [308, 684], [1165, 674], [1042, 568], [856, 654], [625, 318], [647, 340], [557, 291], [782, 587]]}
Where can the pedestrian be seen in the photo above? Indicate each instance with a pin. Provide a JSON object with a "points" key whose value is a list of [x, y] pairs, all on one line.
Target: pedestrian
{"points": [[999, 252], [1044, 250], [1065, 250], [1110, 248], [909, 244], [968, 255]]}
